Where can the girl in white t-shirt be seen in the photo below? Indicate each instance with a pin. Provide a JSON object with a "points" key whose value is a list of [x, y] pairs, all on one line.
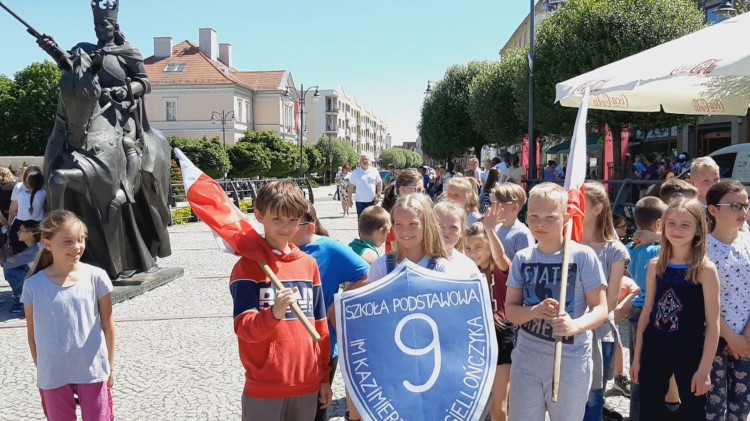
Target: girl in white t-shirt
{"points": [[451, 220], [729, 249], [462, 192], [418, 238], [71, 333], [27, 204]]}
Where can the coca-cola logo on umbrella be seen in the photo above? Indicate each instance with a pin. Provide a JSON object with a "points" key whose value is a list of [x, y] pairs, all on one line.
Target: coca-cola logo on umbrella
{"points": [[702, 68], [711, 106], [593, 86]]}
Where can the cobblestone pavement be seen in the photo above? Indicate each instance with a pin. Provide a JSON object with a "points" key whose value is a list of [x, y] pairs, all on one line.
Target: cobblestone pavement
{"points": [[176, 353]]}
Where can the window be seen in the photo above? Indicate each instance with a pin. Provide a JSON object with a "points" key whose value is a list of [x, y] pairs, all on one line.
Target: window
{"points": [[171, 106], [175, 68], [248, 112], [239, 109]]}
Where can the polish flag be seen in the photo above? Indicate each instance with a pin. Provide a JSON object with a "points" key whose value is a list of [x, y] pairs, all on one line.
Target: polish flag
{"points": [[575, 175], [231, 228]]}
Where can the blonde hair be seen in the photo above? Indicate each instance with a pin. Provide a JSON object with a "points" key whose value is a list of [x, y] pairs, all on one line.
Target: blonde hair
{"points": [[551, 192], [6, 176], [283, 198], [55, 222], [449, 208], [510, 192], [693, 208], [597, 195], [421, 205], [704, 162], [472, 198]]}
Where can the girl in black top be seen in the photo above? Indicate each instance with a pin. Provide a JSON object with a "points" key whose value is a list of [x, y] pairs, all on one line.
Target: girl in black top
{"points": [[679, 327]]}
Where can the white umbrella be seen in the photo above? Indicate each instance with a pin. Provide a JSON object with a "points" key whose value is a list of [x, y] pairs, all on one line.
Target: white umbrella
{"points": [[703, 73]]}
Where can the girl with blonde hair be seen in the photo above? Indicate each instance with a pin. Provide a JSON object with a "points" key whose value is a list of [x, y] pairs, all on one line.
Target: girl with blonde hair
{"points": [[462, 192], [451, 220], [418, 238]]}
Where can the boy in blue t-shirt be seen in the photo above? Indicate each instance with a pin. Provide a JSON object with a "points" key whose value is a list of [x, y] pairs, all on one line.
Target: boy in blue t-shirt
{"points": [[647, 214]]}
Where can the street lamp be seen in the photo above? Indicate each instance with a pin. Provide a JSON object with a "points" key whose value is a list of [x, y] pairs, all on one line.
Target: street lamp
{"points": [[301, 93], [726, 9], [223, 116], [531, 137], [430, 84]]}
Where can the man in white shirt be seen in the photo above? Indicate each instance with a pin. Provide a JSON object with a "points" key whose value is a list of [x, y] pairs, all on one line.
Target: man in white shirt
{"points": [[366, 183], [474, 170]]}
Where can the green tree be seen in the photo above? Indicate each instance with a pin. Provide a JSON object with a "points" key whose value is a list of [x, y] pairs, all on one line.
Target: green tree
{"points": [[284, 155], [393, 156], [445, 126], [492, 103], [334, 152], [587, 34], [313, 159], [28, 107], [413, 159], [208, 155], [248, 160]]}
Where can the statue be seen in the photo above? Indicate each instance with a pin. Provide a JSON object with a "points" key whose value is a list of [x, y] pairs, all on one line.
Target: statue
{"points": [[103, 160]]}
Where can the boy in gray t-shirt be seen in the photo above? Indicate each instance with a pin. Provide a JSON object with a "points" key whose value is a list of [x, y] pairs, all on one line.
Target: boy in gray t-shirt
{"points": [[532, 303], [514, 235]]}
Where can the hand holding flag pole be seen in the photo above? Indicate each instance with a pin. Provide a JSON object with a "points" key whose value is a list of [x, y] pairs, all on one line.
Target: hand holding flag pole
{"points": [[233, 232], [575, 176]]}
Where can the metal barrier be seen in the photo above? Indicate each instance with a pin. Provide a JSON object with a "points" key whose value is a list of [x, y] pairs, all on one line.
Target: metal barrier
{"points": [[238, 189]]}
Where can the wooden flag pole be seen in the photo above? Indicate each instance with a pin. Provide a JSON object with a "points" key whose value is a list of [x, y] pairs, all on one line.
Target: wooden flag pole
{"points": [[563, 298], [295, 308]]}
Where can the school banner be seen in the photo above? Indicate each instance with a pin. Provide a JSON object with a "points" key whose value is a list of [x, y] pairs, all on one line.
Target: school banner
{"points": [[418, 345]]}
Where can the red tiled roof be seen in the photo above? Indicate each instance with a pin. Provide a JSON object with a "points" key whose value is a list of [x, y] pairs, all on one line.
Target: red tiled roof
{"points": [[201, 70]]}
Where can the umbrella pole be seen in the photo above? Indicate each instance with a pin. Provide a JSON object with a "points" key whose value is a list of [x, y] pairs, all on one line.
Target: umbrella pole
{"points": [[295, 308], [563, 298]]}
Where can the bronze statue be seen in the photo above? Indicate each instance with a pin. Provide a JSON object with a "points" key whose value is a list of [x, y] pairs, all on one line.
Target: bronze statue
{"points": [[103, 159]]}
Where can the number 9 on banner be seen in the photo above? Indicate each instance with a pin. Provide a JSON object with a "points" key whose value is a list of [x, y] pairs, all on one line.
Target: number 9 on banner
{"points": [[433, 346]]}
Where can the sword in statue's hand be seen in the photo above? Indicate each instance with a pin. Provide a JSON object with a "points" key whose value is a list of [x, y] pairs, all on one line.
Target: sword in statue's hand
{"points": [[62, 58]]}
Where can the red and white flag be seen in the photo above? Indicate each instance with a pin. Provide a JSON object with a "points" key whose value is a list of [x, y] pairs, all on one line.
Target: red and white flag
{"points": [[575, 174], [233, 231]]}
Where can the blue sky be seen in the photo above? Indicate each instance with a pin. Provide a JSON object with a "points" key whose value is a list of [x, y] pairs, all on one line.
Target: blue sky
{"points": [[382, 51]]}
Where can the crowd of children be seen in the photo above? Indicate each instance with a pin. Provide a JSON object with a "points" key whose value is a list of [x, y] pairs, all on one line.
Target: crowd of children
{"points": [[680, 282]]}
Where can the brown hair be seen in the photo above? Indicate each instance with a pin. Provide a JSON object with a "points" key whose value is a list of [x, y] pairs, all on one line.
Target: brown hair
{"points": [[55, 222], [510, 192], [647, 211], [596, 194], [6, 176], [32, 227], [373, 219], [698, 259], [422, 206], [311, 217], [404, 178], [282, 197], [35, 182], [716, 193], [676, 186], [493, 176], [472, 198]]}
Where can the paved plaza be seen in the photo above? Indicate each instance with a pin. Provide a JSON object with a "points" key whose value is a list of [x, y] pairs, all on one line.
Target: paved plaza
{"points": [[176, 355]]}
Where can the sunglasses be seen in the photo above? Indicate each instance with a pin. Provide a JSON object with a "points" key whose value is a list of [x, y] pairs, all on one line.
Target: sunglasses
{"points": [[736, 207]]}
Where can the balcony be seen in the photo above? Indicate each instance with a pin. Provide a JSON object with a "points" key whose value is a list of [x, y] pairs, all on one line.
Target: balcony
{"points": [[332, 109], [331, 128]]}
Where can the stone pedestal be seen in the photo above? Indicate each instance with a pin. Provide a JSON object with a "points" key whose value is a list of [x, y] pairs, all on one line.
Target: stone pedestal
{"points": [[127, 288]]}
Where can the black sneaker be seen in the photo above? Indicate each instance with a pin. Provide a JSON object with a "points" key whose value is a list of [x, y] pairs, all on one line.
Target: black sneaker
{"points": [[622, 385], [611, 415]]}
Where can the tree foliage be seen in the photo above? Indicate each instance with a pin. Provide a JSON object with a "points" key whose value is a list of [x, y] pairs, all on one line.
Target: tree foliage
{"points": [[284, 156], [445, 127], [335, 153], [393, 156], [413, 159], [208, 155], [493, 103], [587, 34], [28, 106], [313, 159], [248, 160]]}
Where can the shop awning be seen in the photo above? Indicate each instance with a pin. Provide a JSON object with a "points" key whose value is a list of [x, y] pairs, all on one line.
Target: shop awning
{"points": [[592, 144]]}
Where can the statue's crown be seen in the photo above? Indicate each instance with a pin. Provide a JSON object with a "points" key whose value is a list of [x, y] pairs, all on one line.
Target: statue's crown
{"points": [[105, 9]]}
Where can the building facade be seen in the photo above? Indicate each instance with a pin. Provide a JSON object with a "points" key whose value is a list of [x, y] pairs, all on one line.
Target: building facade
{"points": [[192, 83], [337, 114]]}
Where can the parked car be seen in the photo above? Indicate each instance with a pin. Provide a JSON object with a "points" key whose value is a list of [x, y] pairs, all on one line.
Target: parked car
{"points": [[734, 162]]}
